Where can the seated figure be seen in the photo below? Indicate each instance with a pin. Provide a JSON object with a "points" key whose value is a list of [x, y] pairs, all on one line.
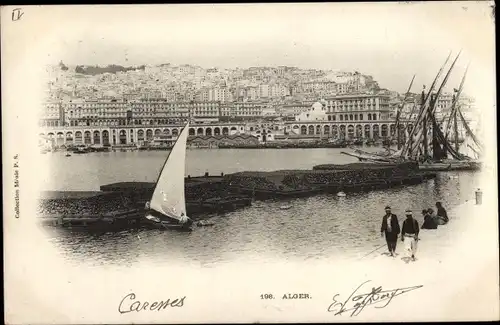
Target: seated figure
{"points": [[430, 222]]}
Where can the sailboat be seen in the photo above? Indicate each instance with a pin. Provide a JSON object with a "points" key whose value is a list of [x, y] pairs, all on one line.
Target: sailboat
{"points": [[167, 208], [427, 142]]}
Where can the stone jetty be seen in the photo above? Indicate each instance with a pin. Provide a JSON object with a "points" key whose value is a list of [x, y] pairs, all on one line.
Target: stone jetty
{"points": [[121, 205]]}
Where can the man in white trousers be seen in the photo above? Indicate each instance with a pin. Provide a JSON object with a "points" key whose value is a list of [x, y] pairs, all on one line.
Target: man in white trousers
{"points": [[409, 234]]}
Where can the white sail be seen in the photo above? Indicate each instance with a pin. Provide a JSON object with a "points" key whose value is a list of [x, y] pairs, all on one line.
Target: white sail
{"points": [[168, 196]]}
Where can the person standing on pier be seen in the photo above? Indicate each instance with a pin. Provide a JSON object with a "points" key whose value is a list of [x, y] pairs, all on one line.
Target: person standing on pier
{"points": [[409, 234], [390, 226]]}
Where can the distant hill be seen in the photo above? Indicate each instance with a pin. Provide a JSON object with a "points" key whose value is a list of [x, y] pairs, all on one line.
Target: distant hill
{"points": [[112, 68]]}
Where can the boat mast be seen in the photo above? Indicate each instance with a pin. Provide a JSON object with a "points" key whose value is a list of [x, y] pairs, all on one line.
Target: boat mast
{"points": [[410, 142], [454, 106], [429, 110], [437, 149], [468, 130], [455, 127], [398, 114], [398, 134], [408, 149], [426, 141]]}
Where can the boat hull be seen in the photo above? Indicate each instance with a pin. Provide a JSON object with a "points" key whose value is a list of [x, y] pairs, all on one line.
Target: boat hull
{"points": [[434, 167], [165, 225], [450, 165]]}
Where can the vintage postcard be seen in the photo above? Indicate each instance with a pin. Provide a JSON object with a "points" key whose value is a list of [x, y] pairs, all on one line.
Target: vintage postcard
{"points": [[222, 163]]}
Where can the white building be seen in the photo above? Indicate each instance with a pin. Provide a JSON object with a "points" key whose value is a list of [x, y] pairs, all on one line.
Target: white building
{"points": [[316, 113]]}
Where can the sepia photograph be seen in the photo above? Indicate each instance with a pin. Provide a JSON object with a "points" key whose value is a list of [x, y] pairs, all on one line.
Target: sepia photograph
{"points": [[291, 162]]}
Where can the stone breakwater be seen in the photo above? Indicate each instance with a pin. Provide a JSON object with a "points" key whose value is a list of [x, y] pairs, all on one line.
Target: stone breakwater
{"points": [[127, 200], [81, 203], [326, 178], [228, 192]]}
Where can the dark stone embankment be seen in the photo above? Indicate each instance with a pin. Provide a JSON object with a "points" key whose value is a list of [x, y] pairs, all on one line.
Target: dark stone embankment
{"points": [[326, 178], [122, 204]]}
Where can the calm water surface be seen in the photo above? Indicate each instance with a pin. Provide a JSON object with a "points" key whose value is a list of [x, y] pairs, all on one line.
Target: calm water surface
{"points": [[319, 227]]}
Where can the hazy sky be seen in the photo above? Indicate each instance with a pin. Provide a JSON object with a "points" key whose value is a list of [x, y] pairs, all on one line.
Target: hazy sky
{"points": [[389, 41]]}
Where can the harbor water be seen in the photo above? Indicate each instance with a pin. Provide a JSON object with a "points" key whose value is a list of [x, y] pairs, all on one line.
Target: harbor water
{"points": [[315, 228]]}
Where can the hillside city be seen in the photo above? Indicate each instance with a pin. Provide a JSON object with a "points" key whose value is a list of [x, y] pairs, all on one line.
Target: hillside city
{"points": [[165, 94]]}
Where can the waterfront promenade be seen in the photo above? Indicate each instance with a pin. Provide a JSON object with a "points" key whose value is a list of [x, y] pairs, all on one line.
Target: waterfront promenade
{"points": [[457, 264]]}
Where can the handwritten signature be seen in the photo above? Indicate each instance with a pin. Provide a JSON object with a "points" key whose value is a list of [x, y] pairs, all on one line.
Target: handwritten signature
{"points": [[126, 306], [356, 302]]}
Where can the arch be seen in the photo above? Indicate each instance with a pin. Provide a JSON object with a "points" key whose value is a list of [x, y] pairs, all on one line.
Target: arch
{"points": [[157, 132], [326, 129], [384, 130], [318, 129], [60, 138], [233, 128], [369, 116], [303, 130], [199, 131], [208, 131], [310, 130], [225, 131], [341, 117], [149, 134], [50, 135], [140, 135], [78, 137], [329, 117], [367, 130], [376, 130], [175, 132], [216, 131], [342, 131], [335, 131], [295, 127], [97, 137], [350, 130], [105, 137], [351, 117], [122, 137], [359, 131], [166, 131], [191, 131], [87, 139], [69, 137], [374, 116], [392, 129], [251, 129]]}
